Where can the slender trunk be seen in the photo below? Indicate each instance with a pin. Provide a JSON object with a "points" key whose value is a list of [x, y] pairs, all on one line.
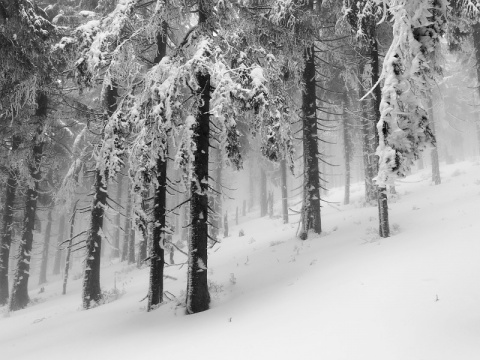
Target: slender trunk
{"points": [[157, 250], [236, 216], [263, 193], [69, 248], [377, 92], [217, 199], [347, 150], [436, 179], [19, 297], [311, 216], [143, 227], [6, 240], [116, 236], [127, 226], [91, 279], [59, 253], [244, 208], [251, 188], [476, 46], [198, 296], [131, 245], [283, 169], [91, 276], [270, 204], [225, 225], [46, 245]]}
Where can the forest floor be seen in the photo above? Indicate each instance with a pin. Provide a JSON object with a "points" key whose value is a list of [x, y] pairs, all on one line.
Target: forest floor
{"points": [[346, 294]]}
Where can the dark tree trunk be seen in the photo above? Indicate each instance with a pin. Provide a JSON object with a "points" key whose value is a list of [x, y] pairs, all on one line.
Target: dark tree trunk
{"points": [[46, 246], [263, 193], [311, 219], [157, 252], [69, 248], [127, 227], [377, 92], [7, 227], [19, 297], [283, 169], [116, 236], [198, 296], [91, 277], [59, 253], [384, 228]]}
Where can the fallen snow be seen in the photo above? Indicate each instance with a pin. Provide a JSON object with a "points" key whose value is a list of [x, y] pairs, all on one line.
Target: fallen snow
{"points": [[344, 295]]}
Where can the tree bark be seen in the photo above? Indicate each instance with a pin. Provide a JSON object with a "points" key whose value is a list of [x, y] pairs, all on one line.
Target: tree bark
{"points": [[436, 179], [19, 297], [46, 246], [69, 248], [91, 277], [7, 227], [283, 169], [59, 253], [198, 296], [263, 193], [347, 149], [311, 216], [157, 250], [116, 236], [127, 226]]}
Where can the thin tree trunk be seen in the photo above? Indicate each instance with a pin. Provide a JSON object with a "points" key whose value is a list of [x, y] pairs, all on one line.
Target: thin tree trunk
{"points": [[131, 245], [382, 191], [263, 193], [7, 225], [19, 297], [436, 179], [251, 187], [116, 236], [46, 246], [127, 226], [311, 217], [283, 169], [91, 277], [198, 296], [157, 250], [59, 253], [225, 225], [217, 199], [69, 248]]}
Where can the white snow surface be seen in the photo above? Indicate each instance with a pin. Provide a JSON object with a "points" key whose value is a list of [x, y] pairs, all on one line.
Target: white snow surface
{"points": [[343, 295]]}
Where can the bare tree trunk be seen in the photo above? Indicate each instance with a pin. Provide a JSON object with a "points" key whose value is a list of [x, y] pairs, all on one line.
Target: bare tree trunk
{"points": [[19, 297], [91, 277], [7, 225], [347, 149], [283, 169], [128, 225], [59, 253], [225, 225], [263, 193], [46, 245], [116, 236], [251, 187], [198, 296], [157, 250], [311, 217], [382, 191], [69, 248], [217, 199]]}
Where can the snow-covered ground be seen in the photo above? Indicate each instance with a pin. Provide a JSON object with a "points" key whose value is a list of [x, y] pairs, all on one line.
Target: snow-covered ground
{"points": [[344, 295]]}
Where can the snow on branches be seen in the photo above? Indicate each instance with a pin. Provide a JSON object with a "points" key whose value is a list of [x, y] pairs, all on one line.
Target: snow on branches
{"points": [[409, 71]]}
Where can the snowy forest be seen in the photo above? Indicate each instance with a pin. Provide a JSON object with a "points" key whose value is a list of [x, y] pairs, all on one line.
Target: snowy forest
{"points": [[240, 179]]}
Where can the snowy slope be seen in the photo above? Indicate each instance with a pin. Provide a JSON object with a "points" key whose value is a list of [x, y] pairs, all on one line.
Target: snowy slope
{"points": [[344, 295]]}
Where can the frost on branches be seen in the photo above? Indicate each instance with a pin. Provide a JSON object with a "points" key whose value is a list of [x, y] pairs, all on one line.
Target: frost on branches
{"points": [[409, 72]]}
